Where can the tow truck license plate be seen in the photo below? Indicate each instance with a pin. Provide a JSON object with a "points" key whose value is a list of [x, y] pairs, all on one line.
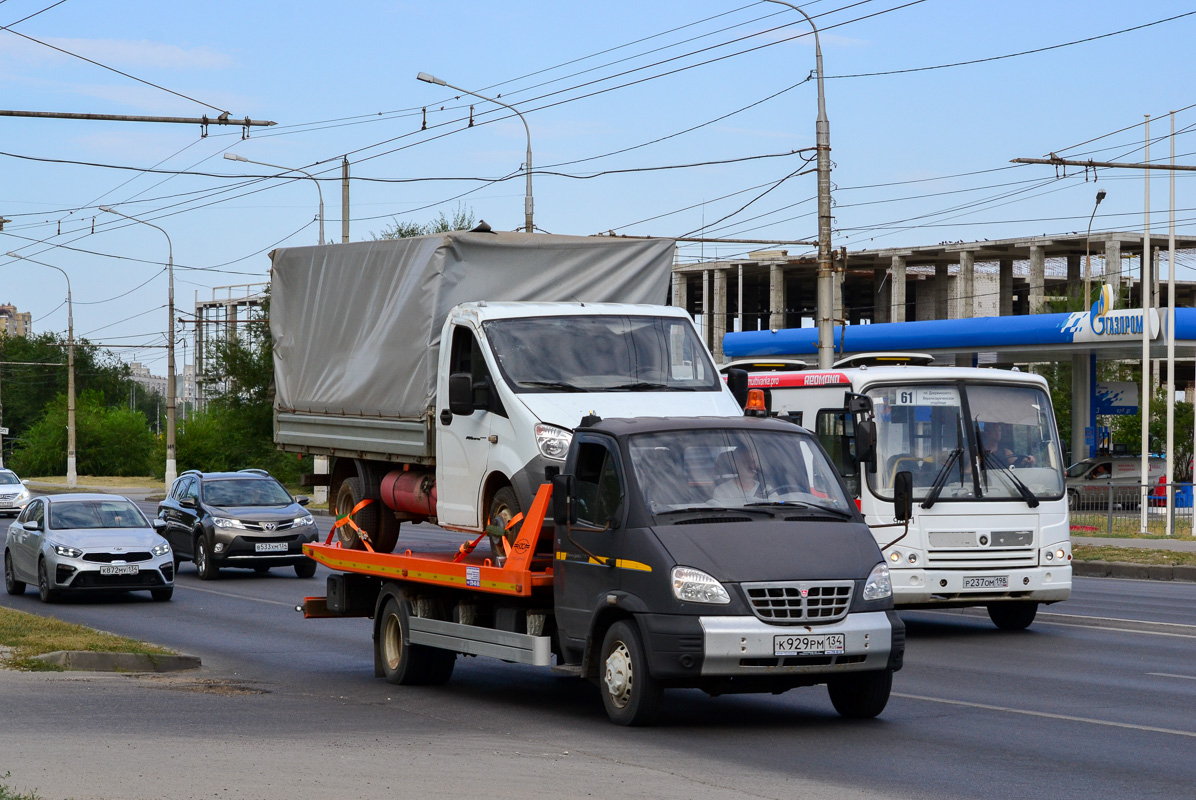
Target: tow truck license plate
{"points": [[826, 644], [270, 547], [123, 569], [987, 582]]}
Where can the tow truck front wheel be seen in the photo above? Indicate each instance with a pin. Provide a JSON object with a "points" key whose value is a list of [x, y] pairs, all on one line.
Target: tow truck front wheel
{"points": [[1013, 616], [861, 695], [631, 695]]}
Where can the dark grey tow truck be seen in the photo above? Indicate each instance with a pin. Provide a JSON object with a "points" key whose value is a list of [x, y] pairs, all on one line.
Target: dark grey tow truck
{"points": [[716, 553]]}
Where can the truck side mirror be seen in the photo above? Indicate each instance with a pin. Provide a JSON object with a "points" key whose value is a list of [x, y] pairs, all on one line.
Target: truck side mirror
{"points": [[563, 511], [903, 496], [865, 443], [461, 393], [737, 382]]}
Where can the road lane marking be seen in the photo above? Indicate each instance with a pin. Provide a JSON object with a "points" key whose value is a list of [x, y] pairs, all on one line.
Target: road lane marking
{"points": [[1047, 715], [235, 596], [1174, 629], [1170, 675]]}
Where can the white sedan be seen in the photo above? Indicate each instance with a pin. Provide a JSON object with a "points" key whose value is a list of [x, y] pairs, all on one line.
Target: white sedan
{"points": [[86, 542]]}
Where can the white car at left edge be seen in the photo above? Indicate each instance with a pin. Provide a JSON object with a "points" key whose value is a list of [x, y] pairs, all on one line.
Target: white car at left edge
{"points": [[85, 543], [14, 493]]}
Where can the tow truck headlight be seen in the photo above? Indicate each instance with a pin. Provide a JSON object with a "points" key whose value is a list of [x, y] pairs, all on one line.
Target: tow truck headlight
{"points": [[553, 441], [878, 586], [695, 586]]}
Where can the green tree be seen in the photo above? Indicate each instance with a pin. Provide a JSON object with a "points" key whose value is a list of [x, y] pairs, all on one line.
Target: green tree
{"points": [[109, 440], [462, 220]]}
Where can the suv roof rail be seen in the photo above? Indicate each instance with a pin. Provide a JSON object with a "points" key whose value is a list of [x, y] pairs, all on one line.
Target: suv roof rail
{"points": [[190, 472], [255, 471]]}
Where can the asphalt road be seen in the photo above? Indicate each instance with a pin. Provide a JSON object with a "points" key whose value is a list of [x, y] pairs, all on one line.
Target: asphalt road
{"points": [[1096, 700]]}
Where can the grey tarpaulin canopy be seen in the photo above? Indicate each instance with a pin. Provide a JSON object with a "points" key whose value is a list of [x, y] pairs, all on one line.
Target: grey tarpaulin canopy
{"points": [[356, 326]]}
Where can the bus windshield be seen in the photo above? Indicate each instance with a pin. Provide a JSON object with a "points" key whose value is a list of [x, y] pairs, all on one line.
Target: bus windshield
{"points": [[980, 441]]}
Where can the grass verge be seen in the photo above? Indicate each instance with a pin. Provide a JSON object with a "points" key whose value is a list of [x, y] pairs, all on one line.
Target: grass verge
{"points": [[9, 793], [28, 635], [104, 481], [1132, 555]]}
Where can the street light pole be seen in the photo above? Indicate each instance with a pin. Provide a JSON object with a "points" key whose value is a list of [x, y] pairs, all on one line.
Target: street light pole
{"points": [[72, 475], [527, 200], [1100, 195], [172, 470], [822, 129], [235, 157]]}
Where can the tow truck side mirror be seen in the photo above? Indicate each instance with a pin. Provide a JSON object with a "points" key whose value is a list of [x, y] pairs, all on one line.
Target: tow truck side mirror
{"points": [[564, 513], [737, 382], [461, 393], [865, 443], [903, 496]]}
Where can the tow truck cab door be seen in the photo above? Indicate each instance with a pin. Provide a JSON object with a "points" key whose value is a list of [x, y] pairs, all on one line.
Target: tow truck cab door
{"points": [[583, 571]]}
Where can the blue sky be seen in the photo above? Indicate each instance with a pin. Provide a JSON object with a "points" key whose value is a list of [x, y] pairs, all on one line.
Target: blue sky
{"points": [[907, 148]]}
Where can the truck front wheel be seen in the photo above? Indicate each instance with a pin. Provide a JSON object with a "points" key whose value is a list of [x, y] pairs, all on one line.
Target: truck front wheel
{"points": [[861, 695], [409, 664], [1014, 616], [503, 509], [631, 695]]}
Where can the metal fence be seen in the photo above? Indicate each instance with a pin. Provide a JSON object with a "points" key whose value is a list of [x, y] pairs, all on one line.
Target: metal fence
{"points": [[1116, 510]]}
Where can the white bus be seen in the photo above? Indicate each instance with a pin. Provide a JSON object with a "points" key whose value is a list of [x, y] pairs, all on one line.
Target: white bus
{"points": [[990, 520]]}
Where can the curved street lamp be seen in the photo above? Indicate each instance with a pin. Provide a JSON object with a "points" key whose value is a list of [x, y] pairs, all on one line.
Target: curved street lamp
{"points": [[72, 475], [172, 469], [235, 157], [527, 201], [1088, 255], [822, 134]]}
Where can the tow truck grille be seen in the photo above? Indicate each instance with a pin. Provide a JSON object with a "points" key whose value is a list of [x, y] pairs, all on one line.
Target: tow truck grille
{"points": [[794, 602]]}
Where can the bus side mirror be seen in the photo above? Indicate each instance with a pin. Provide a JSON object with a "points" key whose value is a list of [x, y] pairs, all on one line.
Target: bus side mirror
{"points": [[903, 496], [737, 382], [865, 443], [564, 513], [461, 393]]}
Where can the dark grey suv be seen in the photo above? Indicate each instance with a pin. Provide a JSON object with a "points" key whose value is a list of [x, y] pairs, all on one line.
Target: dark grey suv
{"points": [[237, 519]]}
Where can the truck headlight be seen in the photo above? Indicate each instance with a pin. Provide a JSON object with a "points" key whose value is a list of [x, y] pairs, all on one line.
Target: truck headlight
{"points": [[695, 586], [553, 441], [878, 586]]}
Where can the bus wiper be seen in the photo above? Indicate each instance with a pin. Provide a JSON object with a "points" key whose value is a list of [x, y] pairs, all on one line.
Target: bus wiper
{"points": [[940, 480], [1027, 495], [558, 385], [641, 386]]}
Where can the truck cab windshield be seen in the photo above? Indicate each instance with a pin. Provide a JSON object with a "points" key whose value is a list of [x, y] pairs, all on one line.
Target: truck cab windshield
{"points": [[733, 469], [1004, 435], [601, 354]]}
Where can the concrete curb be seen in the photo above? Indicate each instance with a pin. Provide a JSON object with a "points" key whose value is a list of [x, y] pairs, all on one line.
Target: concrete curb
{"points": [[1146, 572], [88, 661]]}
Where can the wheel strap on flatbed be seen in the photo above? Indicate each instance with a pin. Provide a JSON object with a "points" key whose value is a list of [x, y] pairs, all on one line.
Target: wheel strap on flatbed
{"points": [[347, 519]]}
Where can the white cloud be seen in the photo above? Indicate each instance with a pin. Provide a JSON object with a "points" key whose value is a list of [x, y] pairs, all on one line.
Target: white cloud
{"points": [[118, 53]]}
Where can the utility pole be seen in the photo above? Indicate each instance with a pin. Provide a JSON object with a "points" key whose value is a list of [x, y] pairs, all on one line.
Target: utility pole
{"points": [[822, 139], [345, 200]]}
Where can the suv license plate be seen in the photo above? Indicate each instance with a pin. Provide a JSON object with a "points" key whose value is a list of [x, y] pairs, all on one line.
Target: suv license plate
{"points": [[122, 569], [826, 644], [271, 547], [987, 582]]}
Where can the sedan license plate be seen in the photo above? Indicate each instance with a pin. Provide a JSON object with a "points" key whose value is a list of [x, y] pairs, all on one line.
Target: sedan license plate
{"points": [[826, 644], [5, 504], [270, 547], [987, 582], [120, 569]]}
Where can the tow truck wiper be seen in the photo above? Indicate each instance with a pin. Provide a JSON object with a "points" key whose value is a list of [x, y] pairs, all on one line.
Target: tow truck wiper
{"points": [[715, 509], [795, 504], [1027, 495], [940, 480]]}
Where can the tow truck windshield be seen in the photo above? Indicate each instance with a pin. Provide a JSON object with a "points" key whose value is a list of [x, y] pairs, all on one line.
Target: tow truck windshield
{"points": [[601, 354], [734, 470], [967, 441]]}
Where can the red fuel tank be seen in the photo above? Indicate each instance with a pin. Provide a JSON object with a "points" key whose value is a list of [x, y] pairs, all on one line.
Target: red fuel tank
{"points": [[410, 492]]}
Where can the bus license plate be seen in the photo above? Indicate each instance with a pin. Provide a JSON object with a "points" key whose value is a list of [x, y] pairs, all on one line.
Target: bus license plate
{"points": [[271, 547], [987, 582], [124, 569], [826, 644]]}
